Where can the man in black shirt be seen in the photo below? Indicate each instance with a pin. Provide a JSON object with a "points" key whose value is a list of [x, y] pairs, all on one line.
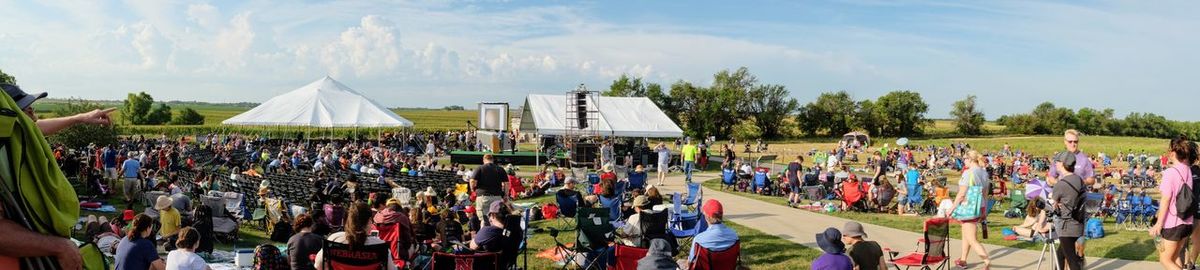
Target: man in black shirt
{"points": [[867, 255], [488, 183]]}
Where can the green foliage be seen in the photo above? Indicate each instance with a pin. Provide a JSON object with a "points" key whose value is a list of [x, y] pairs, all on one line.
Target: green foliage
{"points": [[5, 78], [867, 118], [904, 114], [160, 115], [188, 116], [82, 135], [626, 86], [1048, 119], [968, 120], [830, 113], [136, 107], [770, 105], [453, 108], [747, 131]]}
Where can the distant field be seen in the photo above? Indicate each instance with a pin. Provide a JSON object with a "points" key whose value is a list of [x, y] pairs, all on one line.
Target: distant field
{"points": [[215, 113]]}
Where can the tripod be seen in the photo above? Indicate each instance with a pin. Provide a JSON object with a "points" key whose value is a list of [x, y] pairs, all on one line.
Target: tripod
{"points": [[1049, 245]]}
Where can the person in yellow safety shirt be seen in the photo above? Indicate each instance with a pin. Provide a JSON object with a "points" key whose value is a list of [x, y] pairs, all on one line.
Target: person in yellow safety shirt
{"points": [[689, 153]]}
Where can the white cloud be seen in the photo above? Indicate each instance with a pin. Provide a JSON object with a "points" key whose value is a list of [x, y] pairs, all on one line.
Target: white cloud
{"points": [[204, 15], [232, 43], [370, 49]]}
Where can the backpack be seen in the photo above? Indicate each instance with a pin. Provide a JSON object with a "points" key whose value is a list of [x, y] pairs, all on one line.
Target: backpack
{"points": [[1185, 204], [1196, 183]]}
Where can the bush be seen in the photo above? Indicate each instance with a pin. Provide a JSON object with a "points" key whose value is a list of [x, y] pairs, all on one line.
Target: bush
{"points": [[188, 116]]}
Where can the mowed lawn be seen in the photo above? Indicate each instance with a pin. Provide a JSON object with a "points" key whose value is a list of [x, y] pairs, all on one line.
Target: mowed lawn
{"points": [[1037, 145]]}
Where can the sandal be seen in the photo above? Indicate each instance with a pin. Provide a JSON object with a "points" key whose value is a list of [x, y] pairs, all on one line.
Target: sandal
{"points": [[960, 263]]}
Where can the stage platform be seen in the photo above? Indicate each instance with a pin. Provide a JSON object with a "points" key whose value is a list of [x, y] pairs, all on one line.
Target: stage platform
{"points": [[515, 158]]}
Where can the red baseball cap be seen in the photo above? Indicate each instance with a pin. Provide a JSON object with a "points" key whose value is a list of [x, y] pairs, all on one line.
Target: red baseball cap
{"points": [[470, 209], [713, 207], [128, 215]]}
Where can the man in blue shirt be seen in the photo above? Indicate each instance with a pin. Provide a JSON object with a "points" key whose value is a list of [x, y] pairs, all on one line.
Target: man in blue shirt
{"points": [[110, 163], [129, 173], [717, 237]]}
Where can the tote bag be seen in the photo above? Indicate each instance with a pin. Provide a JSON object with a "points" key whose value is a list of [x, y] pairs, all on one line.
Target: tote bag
{"points": [[973, 204]]}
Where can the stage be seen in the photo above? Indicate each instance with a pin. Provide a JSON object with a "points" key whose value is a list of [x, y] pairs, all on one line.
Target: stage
{"points": [[515, 158]]}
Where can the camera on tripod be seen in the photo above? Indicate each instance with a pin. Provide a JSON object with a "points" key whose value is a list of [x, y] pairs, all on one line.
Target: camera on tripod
{"points": [[1048, 205]]}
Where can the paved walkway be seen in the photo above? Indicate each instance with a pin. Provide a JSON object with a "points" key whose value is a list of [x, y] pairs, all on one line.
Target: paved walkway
{"points": [[800, 226]]}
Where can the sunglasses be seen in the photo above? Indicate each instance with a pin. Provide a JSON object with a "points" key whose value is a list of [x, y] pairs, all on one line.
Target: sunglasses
{"points": [[1073, 142]]}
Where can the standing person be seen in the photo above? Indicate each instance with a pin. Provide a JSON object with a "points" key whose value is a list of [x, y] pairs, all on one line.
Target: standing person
{"points": [[1191, 258], [136, 251], [974, 172], [488, 182], [130, 173], [1172, 227], [703, 163], [185, 257], [793, 178], [606, 153], [688, 155], [1068, 195], [867, 255], [1084, 168], [729, 156], [664, 161]]}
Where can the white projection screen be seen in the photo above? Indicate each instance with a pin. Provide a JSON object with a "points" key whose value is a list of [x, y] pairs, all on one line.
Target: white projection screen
{"points": [[493, 116]]}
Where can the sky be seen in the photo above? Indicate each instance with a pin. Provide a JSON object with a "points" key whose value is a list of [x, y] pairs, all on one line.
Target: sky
{"points": [[1013, 55]]}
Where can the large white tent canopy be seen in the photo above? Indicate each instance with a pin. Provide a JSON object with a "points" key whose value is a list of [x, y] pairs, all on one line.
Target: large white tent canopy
{"points": [[323, 103], [618, 117]]}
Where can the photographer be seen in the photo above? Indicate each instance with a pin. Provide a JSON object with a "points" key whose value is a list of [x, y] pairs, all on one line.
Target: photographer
{"points": [[1067, 204]]}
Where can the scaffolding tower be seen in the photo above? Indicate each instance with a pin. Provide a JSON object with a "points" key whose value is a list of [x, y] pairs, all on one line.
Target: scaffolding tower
{"points": [[583, 116]]}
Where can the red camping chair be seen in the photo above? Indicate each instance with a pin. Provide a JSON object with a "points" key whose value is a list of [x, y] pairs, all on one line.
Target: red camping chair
{"points": [[448, 261], [717, 260], [390, 233], [627, 257], [338, 256], [932, 250], [852, 195]]}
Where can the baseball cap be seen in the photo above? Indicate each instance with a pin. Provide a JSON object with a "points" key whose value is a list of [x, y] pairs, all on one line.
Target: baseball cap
{"points": [[1067, 159], [713, 207], [23, 99], [127, 215], [496, 207]]}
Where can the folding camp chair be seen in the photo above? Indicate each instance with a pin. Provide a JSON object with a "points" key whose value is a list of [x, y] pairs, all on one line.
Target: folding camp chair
{"points": [[707, 259], [637, 181], [338, 256], [728, 178], [762, 181], [613, 205], [693, 195], [403, 194], [932, 249], [477, 261], [627, 257], [567, 206], [592, 234]]}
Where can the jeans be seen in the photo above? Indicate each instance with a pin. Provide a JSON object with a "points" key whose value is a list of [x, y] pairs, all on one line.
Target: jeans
{"points": [[687, 169]]}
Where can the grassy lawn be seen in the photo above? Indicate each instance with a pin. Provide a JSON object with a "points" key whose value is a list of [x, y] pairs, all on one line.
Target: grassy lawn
{"points": [[1117, 243]]}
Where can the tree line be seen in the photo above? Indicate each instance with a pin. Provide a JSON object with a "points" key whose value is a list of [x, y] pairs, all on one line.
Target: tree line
{"points": [[139, 109], [1049, 119]]}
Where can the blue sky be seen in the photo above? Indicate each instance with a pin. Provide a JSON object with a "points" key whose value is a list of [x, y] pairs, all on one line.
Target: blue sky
{"points": [[1012, 54]]}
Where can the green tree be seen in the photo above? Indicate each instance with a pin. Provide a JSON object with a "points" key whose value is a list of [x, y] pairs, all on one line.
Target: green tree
{"points": [[663, 100], [5, 78], [771, 105], [188, 116], [1093, 121], [81, 135], [626, 86], [904, 113], [830, 113], [747, 130], [867, 118], [453, 108], [160, 115], [968, 120], [137, 106]]}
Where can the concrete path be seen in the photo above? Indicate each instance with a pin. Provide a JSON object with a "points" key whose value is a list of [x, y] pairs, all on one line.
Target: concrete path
{"points": [[800, 226]]}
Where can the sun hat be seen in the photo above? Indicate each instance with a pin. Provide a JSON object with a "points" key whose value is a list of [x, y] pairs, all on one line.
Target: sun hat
{"points": [[162, 203], [852, 229], [641, 201], [830, 241], [608, 168]]}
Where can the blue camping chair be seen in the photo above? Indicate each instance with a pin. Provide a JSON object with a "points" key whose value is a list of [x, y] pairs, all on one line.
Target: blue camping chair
{"points": [[613, 205], [637, 180], [761, 180], [728, 178], [593, 178], [915, 198], [684, 224], [693, 195], [619, 189], [567, 207]]}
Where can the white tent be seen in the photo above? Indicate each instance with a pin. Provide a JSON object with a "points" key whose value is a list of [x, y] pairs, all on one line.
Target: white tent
{"points": [[323, 103], [618, 117]]}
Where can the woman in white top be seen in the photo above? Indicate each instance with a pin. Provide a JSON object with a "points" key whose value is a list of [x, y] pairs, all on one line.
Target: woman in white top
{"points": [[185, 257]]}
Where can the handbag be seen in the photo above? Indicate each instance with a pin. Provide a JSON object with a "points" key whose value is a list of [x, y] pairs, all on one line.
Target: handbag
{"points": [[972, 206]]}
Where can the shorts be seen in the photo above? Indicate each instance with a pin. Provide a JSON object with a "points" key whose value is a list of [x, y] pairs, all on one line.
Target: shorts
{"points": [[795, 188], [1178, 233], [131, 186], [483, 203], [110, 173], [662, 167]]}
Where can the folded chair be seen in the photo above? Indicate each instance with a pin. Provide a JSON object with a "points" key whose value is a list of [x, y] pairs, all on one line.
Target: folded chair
{"points": [[932, 250]]}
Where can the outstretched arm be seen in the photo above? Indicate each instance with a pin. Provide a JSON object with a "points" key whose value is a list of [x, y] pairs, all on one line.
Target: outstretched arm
{"points": [[54, 125], [18, 241]]}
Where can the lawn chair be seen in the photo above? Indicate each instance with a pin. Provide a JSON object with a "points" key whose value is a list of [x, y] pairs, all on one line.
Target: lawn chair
{"points": [[567, 206], [915, 199], [684, 224], [403, 194], [707, 259], [477, 261], [853, 194], [338, 256], [1092, 202], [637, 181], [627, 257], [592, 234], [613, 205], [693, 195], [762, 181], [728, 179], [932, 249]]}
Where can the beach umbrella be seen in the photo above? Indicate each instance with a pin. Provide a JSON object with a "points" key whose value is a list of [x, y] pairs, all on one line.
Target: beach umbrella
{"points": [[1036, 188], [902, 141]]}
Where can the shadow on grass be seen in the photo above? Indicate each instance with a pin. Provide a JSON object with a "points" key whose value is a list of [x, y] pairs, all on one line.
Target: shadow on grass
{"points": [[1136, 249]]}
